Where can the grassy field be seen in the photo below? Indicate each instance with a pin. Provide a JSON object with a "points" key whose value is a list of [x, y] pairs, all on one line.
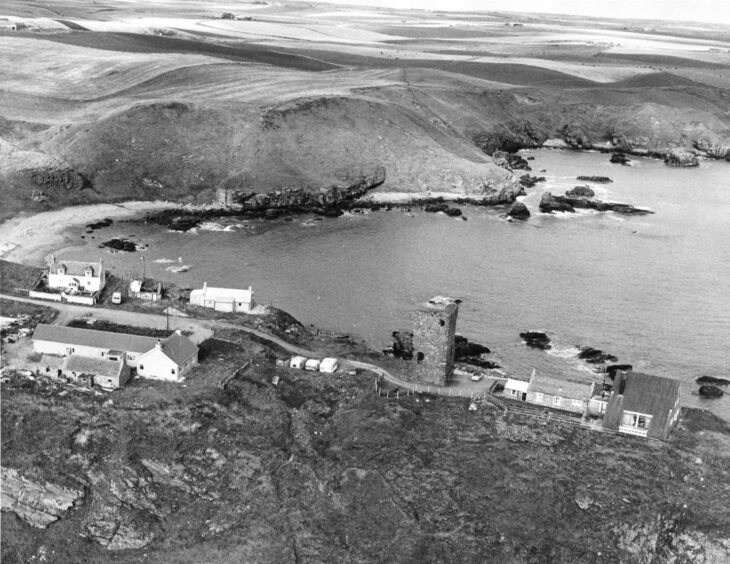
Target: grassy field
{"points": [[170, 102]]}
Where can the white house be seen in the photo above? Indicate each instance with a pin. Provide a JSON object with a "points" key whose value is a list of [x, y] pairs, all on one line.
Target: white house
{"points": [[76, 276], [170, 359], [163, 359], [65, 341], [516, 389], [223, 299]]}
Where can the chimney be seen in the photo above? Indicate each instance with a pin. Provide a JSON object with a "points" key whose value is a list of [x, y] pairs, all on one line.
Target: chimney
{"points": [[158, 344], [178, 331]]}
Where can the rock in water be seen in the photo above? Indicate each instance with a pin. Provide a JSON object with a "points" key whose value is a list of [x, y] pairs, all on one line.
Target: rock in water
{"points": [[549, 204], [611, 369], [620, 158], [536, 340], [681, 158], [595, 356], [711, 391], [597, 179], [712, 380], [529, 181], [519, 211], [581, 192]]}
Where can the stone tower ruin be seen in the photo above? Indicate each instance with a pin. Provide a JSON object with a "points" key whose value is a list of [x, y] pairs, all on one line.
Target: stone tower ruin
{"points": [[434, 329]]}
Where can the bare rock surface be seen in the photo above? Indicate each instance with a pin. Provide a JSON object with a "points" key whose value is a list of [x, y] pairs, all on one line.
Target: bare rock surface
{"points": [[40, 504]]}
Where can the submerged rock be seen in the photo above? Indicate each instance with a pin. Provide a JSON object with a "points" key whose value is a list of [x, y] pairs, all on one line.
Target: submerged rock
{"points": [[536, 340], [620, 158], [518, 210], [463, 348], [711, 391], [442, 207], [597, 179], [681, 158]]}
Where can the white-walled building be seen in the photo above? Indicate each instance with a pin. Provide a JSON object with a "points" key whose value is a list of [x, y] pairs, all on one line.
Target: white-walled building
{"points": [[223, 299], [170, 359], [76, 276], [163, 359]]}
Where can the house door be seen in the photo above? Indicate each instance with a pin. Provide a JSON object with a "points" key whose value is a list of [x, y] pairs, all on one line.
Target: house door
{"points": [[524, 396]]}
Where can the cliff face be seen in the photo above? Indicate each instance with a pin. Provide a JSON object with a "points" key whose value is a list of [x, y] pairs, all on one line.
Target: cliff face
{"points": [[323, 470]]}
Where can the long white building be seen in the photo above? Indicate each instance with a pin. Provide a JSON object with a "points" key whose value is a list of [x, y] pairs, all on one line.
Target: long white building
{"points": [[223, 299]]}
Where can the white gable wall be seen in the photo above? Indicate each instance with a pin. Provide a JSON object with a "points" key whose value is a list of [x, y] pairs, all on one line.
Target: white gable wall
{"points": [[157, 365]]}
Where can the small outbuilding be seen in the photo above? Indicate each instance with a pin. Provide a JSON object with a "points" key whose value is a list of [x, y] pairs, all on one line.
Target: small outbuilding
{"points": [[104, 372], [516, 389], [329, 365], [312, 364], [297, 362]]}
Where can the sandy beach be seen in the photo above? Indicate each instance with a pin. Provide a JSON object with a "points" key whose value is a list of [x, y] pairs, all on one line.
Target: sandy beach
{"points": [[28, 239]]}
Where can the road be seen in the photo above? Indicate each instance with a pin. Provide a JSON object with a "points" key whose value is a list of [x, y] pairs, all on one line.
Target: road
{"points": [[202, 329]]}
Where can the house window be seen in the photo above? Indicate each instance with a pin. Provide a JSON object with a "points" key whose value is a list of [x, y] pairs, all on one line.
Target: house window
{"points": [[641, 422], [556, 400], [513, 392], [538, 397], [173, 371], [141, 366]]}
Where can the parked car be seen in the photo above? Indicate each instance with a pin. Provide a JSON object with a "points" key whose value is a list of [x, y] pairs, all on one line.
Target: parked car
{"points": [[477, 377], [117, 298]]}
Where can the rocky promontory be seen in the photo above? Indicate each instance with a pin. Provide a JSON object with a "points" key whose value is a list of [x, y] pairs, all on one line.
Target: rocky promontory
{"points": [[550, 203]]}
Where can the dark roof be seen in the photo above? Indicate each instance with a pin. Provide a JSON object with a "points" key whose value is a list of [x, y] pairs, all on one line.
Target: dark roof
{"points": [[95, 366], [178, 347], [91, 338], [652, 395], [76, 268], [570, 389]]}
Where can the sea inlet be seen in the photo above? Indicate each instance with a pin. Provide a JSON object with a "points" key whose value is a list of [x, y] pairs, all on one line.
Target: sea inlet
{"points": [[652, 289]]}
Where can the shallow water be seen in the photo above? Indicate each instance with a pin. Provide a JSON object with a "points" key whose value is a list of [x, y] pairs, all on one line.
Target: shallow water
{"points": [[653, 290]]}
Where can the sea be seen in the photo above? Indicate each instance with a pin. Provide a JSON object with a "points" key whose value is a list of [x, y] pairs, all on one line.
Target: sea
{"points": [[653, 290]]}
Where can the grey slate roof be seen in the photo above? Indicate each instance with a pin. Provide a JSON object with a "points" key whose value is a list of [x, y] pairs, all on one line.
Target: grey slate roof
{"points": [[93, 338], [76, 268], [95, 366], [570, 389], [179, 348], [649, 394]]}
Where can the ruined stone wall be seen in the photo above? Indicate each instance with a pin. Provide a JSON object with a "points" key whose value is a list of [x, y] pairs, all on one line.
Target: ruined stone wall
{"points": [[433, 344]]}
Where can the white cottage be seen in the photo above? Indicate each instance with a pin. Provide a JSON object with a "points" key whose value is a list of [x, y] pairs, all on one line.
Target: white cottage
{"points": [[76, 276], [223, 299], [170, 359]]}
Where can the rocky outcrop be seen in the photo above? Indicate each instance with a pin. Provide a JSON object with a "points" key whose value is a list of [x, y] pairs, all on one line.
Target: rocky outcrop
{"points": [[681, 158], [595, 356], [510, 161], [518, 210], [300, 199], [536, 340], [63, 179], [510, 137], [619, 158], [550, 203], [581, 192], [713, 149], [597, 179], [37, 504], [529, 181], [575, 137], [442, 208], [710, 391]]}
